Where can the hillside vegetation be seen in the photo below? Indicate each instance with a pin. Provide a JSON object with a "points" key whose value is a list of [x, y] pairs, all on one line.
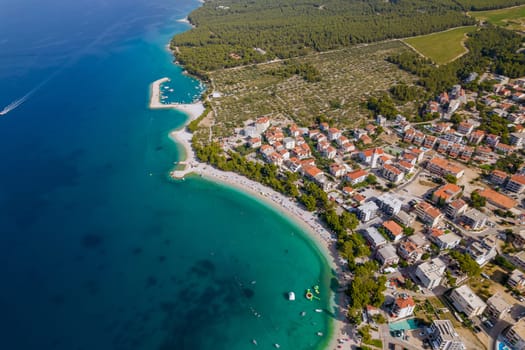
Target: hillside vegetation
{"points": [[490, 48], [348, 78], [237, 32], [511, 18], [477, 5]]}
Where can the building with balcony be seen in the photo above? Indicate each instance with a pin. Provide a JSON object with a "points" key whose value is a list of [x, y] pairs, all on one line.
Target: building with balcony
{"points": [[403, 306], [516, 183], [367, 211], [474, 220], [443, 336], [374, 238], [515, 335], [393, 230], [456, 208], [389, 203], [431, 273], [428, 214], [443, 167], [466, 301], [387, 255], [497, 307]]}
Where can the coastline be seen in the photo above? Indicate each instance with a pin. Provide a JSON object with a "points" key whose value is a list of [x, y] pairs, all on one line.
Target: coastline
{"points": [[292, 211], [339, 328], [192, 109]]}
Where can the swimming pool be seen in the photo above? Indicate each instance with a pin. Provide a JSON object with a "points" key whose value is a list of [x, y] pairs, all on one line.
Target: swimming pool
{"points": [[502, 346], [409, 324]]}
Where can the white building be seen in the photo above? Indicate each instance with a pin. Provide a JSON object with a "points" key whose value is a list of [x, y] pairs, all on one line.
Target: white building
{"points": [[497, 306], [515, 336], [389, 204], [367, 211], [474, 219], [374, 238], [516, 280], [404, 218], [444, 336], [289, 143], [466, 301], [431, 273], [403, 306], [447, 241], [481, 253], [387, 255], [261, 124]]}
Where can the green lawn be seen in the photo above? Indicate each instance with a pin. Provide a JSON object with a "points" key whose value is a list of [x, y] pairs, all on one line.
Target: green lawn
{"points": [[512, 18], [441, 47]]}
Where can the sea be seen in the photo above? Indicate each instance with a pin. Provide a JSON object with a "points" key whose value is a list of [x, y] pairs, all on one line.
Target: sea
{"points": [[99, 249]]}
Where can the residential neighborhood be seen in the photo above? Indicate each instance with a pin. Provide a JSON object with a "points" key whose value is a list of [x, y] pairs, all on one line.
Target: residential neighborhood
{"points": [[439, 203]]}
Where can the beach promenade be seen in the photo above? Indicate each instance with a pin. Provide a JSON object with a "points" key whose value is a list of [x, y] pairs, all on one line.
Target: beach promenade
{"points": [[307, 220]]}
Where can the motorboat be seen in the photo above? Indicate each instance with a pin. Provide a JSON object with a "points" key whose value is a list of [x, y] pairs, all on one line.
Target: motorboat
{"points": [[291, 296]]}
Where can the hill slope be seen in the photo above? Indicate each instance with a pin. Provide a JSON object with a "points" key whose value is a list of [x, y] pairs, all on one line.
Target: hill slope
{"points": [[228, 32]]}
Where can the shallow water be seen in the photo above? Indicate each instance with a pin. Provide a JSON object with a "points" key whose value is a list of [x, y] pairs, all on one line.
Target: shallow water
{"points": [[98, 249]]}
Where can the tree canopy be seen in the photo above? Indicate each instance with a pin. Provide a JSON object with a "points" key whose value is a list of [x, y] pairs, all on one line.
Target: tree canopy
{"points": [[229, 33]]}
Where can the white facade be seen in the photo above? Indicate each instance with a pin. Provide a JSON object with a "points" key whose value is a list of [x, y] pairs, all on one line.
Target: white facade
{"points": [[444, 336], [389, 203], [447, 241], [367, 211], [466, 301], [431, 273]]}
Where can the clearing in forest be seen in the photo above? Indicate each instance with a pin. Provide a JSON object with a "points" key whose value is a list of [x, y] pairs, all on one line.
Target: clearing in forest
{"points": [[442, 47], [511, 18]]}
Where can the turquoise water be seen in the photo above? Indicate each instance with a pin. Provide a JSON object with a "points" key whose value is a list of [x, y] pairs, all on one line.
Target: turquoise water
{"points": [[98, 249], [502, 346], [408, 324]]}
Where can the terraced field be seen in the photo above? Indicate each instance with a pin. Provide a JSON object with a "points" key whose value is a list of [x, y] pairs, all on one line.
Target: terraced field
{"points": [[348, 78]]}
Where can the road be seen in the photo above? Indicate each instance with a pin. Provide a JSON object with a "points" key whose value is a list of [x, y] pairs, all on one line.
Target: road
{"points": [[401, 187], [495, 332], [387, 339]]}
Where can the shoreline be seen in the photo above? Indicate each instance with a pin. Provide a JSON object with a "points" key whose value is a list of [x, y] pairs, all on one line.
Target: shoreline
{"points": [[194, 109], [292, 211], [313, 230]]}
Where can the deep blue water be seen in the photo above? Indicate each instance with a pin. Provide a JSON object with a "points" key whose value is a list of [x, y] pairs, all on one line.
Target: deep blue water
{"points": [[98, 249]]}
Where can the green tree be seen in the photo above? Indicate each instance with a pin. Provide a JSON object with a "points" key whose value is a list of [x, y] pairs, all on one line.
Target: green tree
{"points": [[308, 201], [408, 231], [371, 179], [450, 178], [349, 220], [476, 200], [466, 263]]}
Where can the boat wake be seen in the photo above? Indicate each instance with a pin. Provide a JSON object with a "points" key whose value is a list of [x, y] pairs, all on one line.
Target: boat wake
{"points": [[16, 103], [107, 32]]}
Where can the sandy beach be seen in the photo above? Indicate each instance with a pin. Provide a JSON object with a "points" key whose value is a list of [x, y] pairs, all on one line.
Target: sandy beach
{"points": [[308, 221]]}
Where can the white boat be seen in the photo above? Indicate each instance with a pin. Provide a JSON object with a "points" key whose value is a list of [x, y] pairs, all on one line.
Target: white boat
{"points": [[254, 342], [318, 310], [291, 296], [277, 345]]}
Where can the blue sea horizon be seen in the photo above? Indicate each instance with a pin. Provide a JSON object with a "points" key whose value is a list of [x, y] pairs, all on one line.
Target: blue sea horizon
{"points": [[98, 248]]}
